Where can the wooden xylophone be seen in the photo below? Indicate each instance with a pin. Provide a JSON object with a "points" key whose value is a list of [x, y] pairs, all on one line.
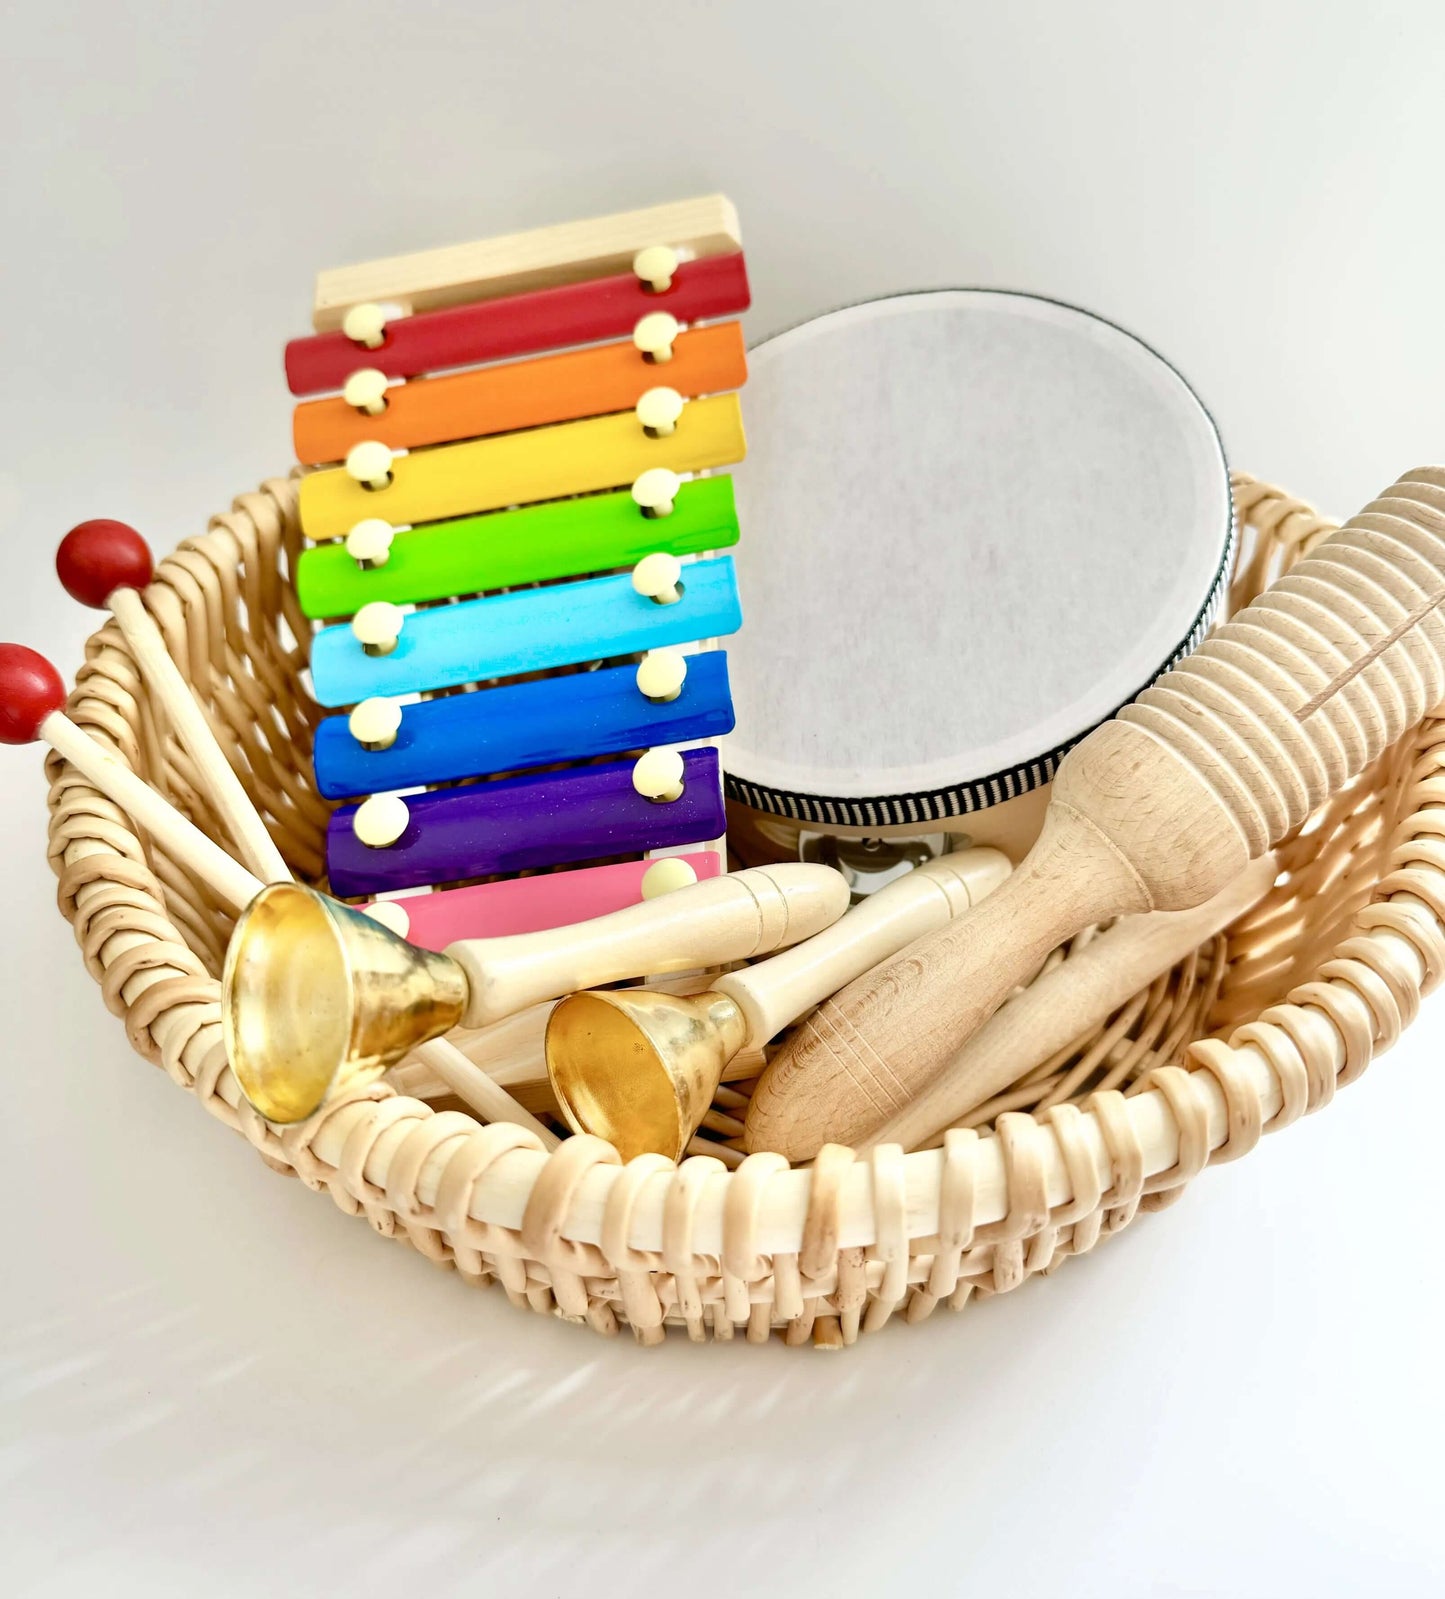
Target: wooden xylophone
{"points": [[514, 531]]}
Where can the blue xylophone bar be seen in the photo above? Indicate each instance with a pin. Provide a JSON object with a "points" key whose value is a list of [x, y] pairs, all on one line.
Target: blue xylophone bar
{"points": [[542, 722], [516, 824], [527, 630]]}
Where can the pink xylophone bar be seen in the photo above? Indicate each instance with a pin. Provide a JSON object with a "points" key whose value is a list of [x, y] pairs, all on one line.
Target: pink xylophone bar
{"points": [[535, 904]]}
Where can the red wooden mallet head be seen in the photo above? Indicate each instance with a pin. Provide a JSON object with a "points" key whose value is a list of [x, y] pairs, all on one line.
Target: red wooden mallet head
{"points": [[98, 557], [30, 689]]}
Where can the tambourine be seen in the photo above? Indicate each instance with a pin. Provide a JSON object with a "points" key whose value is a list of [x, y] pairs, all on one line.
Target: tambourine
{"points": [[983, 522]]}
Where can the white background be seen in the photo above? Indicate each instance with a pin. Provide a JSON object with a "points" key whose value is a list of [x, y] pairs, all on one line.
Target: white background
{"points": [[213, 1382]]}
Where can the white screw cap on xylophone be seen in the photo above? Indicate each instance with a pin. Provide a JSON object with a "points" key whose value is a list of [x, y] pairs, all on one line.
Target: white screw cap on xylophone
{"points": [[657, 776], [370, 464], [380, 820], [655, 490], [365, 390], [655, 335], [655, 577], [656, 266], [366, 324], [375, 722], [377, 626], [658, 411], [666, 876], [661, 674], [369, 542]]}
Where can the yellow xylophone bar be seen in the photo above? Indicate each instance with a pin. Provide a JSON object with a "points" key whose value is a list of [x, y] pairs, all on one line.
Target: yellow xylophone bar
{"points": [[548, 463]]}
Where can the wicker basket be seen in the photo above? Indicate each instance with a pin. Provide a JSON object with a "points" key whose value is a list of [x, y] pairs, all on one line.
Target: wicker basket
{"points": [[1314, 981]]}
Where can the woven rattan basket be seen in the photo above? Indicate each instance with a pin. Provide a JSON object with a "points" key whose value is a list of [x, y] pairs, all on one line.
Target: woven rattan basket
{"points": [[1307, 988]]}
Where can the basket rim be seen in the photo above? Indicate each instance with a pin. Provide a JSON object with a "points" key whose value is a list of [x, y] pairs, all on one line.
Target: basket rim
{"points": [[433, 1175]]}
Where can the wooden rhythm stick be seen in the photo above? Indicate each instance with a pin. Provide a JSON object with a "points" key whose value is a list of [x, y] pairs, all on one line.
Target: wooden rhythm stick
{"points": [[1067, 1003], [318, 997], [1156, 810], [105, 565]]}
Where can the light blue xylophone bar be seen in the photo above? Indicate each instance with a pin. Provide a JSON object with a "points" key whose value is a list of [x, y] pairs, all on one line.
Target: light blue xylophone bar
{"points": [[527, 630]]}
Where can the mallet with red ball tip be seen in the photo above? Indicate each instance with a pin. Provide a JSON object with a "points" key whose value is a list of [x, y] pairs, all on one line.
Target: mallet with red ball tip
{"points": [[32, 695], [105, 565]]}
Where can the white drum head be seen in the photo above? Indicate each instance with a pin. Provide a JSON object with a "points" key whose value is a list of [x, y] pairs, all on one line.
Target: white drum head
{"points": [[977, 524]]}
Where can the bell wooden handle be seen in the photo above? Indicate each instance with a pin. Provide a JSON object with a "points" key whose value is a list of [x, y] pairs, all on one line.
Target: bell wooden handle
{"points": [[719, 920], [778, 991], [1156, 810]]}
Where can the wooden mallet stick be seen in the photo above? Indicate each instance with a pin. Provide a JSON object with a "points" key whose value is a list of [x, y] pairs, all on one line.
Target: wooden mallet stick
{"points": [[105, 565], [1156, 810], [32, 695]]}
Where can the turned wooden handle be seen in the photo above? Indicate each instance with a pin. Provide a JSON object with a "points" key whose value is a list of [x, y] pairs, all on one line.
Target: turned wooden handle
{"points": [[223, 788], [778, 991], [1067, 1003], [1156, 810], [179, 837], [721, 919]]}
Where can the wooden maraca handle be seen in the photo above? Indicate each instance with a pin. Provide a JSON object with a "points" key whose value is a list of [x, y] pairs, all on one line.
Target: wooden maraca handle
{"points": [[1156, 810], [776, 992], [719, 920], [1067, 1003]]}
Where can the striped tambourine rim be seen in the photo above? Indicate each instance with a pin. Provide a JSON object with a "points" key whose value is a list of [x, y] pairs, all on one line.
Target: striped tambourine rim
{"points": [[964, 799]]}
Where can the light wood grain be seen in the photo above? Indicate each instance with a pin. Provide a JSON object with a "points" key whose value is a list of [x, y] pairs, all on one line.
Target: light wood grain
{"points": [[475, 1088], [169, 830], [708, 924], [516, 262], [776, 992], [163, 677], [1156, 810], [1066, 1003]]}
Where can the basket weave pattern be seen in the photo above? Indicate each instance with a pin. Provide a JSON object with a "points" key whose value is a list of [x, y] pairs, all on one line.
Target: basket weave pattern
{"points": [[1307, 988]]}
